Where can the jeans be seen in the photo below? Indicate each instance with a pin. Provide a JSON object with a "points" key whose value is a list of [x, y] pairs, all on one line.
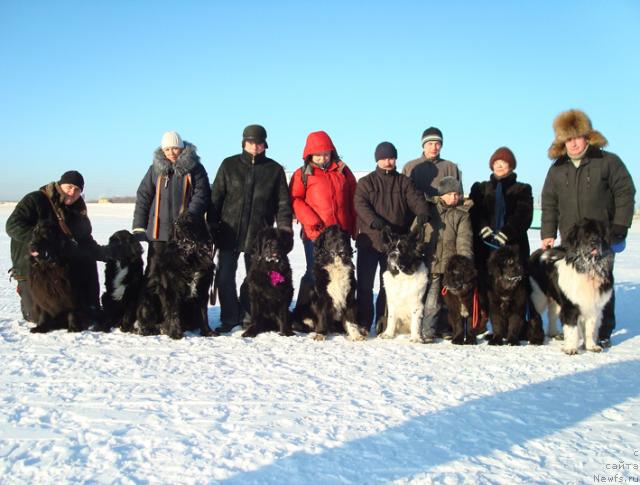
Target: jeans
{"points": [[432, 305], [368, 261], [232, 309]]}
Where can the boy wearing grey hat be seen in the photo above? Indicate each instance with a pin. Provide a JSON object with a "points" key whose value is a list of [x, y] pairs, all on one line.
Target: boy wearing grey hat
{"points": [[448, 233]]}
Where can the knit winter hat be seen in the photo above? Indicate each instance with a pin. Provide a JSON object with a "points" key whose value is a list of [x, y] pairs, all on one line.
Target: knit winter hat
{"points": [[503, 153], [171, 139], [431, 134], [256, 134], [449, 184], [72, 177], [386, 150], [317, 142], [572, 124]]}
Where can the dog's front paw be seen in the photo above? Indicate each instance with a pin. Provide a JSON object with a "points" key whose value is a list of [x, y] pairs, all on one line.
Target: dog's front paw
{"points": [[319, 337], [458, 340], [385, 334], [570, 351], [287, 333], [356, 337], [495, 340], [38, 329], [471, 340], [513, 342], [250, 332], [594, 348], [416, 340]]}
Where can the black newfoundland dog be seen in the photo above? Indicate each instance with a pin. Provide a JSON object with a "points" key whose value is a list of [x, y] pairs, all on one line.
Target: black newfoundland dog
{"points": [[175, 295], [123, 279], [269, 283], [333, 306], [508, 295], [577, 278], [50, 281], [460, 295]]}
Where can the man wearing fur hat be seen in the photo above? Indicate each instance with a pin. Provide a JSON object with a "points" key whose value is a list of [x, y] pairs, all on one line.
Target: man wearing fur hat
{"points": [[426, 171], [175, 182], [585, 181], [61, 203], [248, 194]]}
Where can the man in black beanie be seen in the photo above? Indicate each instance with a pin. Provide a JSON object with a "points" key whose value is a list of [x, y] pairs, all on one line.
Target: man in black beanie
{"points": [[382, 198], [427, 170], [61, 203]]}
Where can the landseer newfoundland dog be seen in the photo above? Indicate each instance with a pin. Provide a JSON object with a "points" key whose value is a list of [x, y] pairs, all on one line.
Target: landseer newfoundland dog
{"points": [[269, 283], [50, 281], [405, 283], [123, 279], [460, 295], [577, 278], [508, 295], [176, 291], [333, 307]]}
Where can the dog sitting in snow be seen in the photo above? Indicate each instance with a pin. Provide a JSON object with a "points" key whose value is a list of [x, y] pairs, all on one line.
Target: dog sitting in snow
{"points": [[460, 295], [176, 291], [333, 305], [507, 293], [123, 279], [55, 298], [577, 278], [405, 283], [269, 283]]}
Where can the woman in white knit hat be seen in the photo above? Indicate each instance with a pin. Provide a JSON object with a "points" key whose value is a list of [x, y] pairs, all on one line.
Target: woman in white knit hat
{"points": [[175, 182]]}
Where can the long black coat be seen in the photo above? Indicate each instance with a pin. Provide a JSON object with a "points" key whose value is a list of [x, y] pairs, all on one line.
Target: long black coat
{"points": [[37, 207], [247, 195], [600, 188], [517, 219], [391, 196], [184, 186]]}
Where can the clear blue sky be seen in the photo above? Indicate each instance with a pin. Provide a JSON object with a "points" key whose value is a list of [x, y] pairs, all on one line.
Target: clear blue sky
{"points": [[93, 85]]}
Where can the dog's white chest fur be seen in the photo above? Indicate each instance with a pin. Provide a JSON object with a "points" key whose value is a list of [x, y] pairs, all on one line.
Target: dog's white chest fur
{"points": [[118, 286], [404, 300], [339, 284], [582, 289]]}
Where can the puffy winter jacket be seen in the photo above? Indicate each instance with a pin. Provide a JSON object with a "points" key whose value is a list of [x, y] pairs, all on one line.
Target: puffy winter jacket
{"points": [[168, 189], [600, 188], [388, 195], [325, 199], [247, 195]]}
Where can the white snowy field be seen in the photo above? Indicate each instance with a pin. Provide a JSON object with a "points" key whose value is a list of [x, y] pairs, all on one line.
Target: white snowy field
{"points": [[120, 408]]}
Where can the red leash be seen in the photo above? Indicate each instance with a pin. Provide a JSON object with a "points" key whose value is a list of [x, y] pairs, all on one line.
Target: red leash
{"points": [[475, 315]]}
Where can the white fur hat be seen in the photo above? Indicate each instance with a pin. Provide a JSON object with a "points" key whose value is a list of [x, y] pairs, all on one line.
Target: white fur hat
{"points": [[171, 139]]}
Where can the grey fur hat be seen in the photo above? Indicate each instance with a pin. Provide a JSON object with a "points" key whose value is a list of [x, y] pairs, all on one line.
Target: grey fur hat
{"points": [[448, 184]]}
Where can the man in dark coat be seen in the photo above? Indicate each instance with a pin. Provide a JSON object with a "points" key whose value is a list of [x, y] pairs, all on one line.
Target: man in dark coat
{"points": [[175, 182], [59, 202], [586, 181], [383, 198], [249, 193]]}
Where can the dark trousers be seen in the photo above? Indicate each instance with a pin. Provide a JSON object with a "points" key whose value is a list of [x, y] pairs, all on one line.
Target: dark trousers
{"points": [[232, 308], [368, 261], [307, 281]]}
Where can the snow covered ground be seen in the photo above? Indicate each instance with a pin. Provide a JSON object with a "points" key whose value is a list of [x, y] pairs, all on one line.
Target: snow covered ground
{"points": [[119, 408]]}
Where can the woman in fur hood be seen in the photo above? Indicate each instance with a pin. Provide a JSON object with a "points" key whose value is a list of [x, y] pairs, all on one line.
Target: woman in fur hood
{"points": [[585, 181], [175, 182]]}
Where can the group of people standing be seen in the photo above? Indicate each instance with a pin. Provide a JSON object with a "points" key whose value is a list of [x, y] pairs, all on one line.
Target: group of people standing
{"points": [[250, 192]]}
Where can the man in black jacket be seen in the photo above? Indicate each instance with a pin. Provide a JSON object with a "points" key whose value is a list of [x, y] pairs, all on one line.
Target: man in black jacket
{"points": [[249, 193], [383, 198], [586, 181], [58, 202]]}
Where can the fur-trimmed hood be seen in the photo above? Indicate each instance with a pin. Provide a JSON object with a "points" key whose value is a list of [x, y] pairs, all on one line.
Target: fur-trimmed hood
{"points": [[185, 163], [571, 124]]}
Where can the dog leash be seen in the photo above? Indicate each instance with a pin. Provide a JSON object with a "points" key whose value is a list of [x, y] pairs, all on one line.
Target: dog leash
{"points": [[475, 312], [213, 294]]}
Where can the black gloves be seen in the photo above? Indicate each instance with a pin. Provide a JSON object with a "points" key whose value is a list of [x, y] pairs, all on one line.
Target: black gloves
{"points": [[378, 223], [141, 236], [618, 233]]}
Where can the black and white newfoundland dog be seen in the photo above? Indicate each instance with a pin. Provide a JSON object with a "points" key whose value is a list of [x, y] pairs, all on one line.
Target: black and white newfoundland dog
{"points": [[460, 295], [269, 282], [50, 281], [577, 278], [333, 307], [176, 291], [508, 295], [405, 283], [123, 280]]}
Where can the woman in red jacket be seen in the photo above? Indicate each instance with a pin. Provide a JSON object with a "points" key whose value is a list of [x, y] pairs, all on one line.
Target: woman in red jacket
{"points": [[321, 195]]}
